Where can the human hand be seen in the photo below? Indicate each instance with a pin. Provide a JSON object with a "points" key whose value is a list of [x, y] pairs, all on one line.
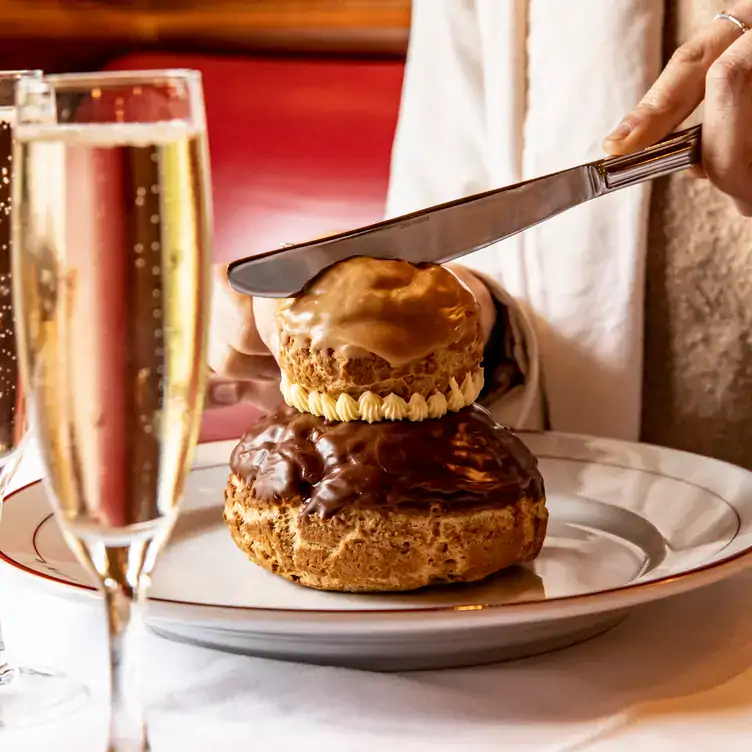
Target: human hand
{"points": [[716, 65], [482, 295], [242, 340]]}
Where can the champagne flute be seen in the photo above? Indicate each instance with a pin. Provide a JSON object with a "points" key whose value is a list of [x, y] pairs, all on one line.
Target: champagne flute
{"points": [[28, 695], [112, 240]]}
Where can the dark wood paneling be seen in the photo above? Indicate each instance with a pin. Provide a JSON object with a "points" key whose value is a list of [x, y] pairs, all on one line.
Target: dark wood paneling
{"points": [[45, 33]]}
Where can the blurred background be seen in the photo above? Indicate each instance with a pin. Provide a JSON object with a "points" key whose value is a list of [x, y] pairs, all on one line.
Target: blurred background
{"points": [[301, 100], [301, 96], [84, 34]]}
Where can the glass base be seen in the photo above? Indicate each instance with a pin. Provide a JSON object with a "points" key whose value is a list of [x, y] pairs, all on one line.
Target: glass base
{"points": [[38, 695]]}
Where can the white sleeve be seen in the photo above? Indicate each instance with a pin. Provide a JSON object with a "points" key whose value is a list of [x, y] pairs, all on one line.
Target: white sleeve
{"points": [[439, 150], [464, 78], [498, 91], [519, 405]]}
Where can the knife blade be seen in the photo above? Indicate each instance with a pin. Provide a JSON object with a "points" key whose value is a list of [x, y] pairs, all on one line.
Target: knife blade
{"points": [[448, 231]]}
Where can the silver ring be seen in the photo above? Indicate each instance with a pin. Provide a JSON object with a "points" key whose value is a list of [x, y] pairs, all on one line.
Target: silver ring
{"points": [[734, 20]]}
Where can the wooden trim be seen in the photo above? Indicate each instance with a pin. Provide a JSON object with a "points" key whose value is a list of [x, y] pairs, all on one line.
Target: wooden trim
{"points": [[345, 25]]}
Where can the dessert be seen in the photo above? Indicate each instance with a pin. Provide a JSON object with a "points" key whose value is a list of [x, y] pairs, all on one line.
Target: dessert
{"points": [[395, 505], [381, 340], [381, 473]]}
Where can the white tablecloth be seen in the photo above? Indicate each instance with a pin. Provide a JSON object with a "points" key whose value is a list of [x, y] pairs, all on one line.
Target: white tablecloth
{"points": [[676, 675]]}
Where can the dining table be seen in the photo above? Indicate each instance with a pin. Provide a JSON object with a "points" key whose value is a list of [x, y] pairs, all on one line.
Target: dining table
{"points": [[675, 675]]}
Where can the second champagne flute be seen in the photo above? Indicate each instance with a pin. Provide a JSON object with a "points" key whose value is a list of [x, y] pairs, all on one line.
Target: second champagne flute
{"points": [[28, 695], [111, 235]]}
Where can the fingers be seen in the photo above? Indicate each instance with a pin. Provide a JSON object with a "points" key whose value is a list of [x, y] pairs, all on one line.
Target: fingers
{"points": [[227, 361], [265, 316], [224, 392], [679, 89], [221, 392], [482, 295], [727, 135], [232, 319]]}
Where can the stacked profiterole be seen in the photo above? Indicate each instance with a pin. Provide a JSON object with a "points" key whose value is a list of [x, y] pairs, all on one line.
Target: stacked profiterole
{"points": [[381, 473]]}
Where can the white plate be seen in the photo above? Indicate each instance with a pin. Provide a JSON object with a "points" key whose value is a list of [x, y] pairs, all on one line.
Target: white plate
{"points": [[629, 524]]}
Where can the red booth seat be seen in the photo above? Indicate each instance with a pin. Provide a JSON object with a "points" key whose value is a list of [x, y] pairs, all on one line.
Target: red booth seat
{"points": [[299, 148]]}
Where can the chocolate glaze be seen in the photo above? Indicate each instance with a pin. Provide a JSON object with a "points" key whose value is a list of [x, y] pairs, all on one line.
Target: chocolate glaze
{"points": [[463, 461]]}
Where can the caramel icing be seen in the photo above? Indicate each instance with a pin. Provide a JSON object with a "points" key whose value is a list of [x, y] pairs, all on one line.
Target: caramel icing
{"points": [[464, 461], [396, 310]]}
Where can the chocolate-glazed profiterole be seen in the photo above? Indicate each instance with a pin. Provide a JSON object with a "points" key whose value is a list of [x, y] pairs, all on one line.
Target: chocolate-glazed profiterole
{"points": [[376, 339], [465, 461], [390, 506]]}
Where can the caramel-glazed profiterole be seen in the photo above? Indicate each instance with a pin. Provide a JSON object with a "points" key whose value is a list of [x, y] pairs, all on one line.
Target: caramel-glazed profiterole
{"points": [[464, 461], [396, 310]]}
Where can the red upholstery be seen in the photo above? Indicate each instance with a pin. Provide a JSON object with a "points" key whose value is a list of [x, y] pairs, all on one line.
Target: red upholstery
{"points": [[299, 148]]}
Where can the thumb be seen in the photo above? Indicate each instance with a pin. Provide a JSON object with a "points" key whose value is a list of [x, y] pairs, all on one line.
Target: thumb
{"points": [[226, 392]]}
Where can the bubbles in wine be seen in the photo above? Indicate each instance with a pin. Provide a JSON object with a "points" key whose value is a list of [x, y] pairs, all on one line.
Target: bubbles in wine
{"points": [[126, 341], [12, 422]]}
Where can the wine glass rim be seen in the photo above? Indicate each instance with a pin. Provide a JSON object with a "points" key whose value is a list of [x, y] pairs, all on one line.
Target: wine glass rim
{"points": [[102, 78], [21, 73]]}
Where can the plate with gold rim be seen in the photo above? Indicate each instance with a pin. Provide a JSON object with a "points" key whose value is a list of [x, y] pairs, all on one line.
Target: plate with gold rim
{"points": [[629, 524]]}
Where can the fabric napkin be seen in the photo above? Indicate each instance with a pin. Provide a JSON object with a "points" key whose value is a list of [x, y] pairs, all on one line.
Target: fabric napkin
{"points": [[674, 676]]}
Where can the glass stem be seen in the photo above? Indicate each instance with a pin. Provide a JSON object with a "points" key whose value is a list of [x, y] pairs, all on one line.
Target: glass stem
{"points": [[125, 620], [7, 672]]}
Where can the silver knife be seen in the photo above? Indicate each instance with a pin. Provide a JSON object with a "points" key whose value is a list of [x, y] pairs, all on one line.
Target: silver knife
{"points": [[447, 231]]}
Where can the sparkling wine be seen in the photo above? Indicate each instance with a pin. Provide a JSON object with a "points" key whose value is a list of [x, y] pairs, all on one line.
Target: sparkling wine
{"points": [[114, 293], [12, 413]]}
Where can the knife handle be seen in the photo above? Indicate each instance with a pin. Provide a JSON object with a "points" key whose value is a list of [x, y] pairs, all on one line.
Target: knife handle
{"points": [[676, 152]]}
